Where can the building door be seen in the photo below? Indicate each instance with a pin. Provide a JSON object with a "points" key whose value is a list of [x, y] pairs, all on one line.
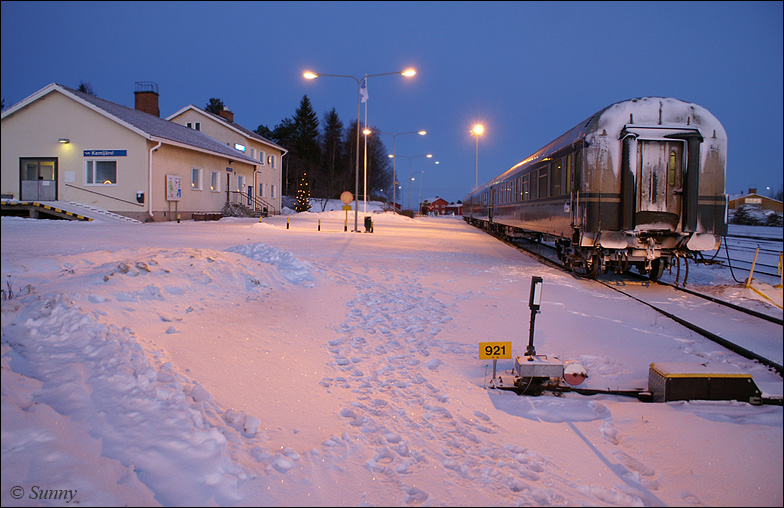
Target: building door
{"points": [[659, 182], [38, 179]]}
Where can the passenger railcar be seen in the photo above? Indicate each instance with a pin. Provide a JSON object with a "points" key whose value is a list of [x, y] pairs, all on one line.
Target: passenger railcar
{"points": [[638, 184]]}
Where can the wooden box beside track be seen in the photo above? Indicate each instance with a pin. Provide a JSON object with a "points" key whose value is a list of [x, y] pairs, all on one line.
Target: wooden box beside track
{"points": [[669, 381]]}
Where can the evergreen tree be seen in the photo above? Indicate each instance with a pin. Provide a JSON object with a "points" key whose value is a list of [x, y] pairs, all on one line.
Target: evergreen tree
{"points": [[303, 194], [379, 167], [86, 87], [775, 220], [350, 149], [306, 128], [379, 171], [304, 151], [265, 132], [333, 176], [743, 215], [214, 105]]}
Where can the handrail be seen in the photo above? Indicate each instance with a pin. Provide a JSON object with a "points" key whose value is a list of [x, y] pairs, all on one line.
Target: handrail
{"points": [[104, 195], [258, 203]]}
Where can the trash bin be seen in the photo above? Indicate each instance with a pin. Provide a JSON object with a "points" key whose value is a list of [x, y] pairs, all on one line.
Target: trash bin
{"points": [[368, 224]]}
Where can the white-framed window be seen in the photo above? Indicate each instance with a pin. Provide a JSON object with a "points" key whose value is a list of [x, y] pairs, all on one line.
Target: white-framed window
{"points": [[240, 182], [261, 190], [271, 160], [272, 190], [215, 181], [100, 172], [253, 153], [196, 179], [261, 157], [196, 125]]}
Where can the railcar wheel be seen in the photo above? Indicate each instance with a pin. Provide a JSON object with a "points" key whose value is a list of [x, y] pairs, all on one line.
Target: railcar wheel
{"points": [[657, 269], [588, 268]]}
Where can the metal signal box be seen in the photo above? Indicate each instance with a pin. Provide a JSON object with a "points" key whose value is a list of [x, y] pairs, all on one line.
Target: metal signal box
{"points": [[538, 366], [669, 381]]}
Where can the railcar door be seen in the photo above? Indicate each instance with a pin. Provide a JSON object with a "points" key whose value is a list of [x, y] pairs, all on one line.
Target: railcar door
{"points": [[659, 183]]}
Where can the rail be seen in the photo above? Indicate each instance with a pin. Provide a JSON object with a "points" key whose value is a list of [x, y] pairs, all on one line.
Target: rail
{"points": [[736, 348]]}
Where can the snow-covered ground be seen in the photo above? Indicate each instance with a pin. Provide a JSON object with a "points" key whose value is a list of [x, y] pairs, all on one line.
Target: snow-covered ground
{"points": [[246, 363]]}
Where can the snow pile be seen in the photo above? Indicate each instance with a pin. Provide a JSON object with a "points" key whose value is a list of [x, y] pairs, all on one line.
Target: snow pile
{"points": [[247, 363]]}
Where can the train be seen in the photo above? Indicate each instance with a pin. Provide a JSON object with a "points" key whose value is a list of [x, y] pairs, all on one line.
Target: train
{"points": [[639, 184]]}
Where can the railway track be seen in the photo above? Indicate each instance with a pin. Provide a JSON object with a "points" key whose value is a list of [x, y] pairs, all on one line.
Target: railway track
{"points": [[767, 250], [749, 333]]}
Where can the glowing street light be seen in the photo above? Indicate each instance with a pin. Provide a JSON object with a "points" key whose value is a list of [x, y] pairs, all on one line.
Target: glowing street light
{"points": [[313, 75], [477, 131]]}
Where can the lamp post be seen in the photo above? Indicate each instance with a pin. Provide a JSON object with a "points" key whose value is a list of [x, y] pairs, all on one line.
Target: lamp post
{"points": [[313, 75], [367, 133], [430, 155], [420, 183], [394, 172], [420, 188], [477, 131]]}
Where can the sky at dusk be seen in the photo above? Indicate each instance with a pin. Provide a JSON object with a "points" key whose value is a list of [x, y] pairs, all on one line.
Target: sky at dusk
{"points": [[529, 71]]}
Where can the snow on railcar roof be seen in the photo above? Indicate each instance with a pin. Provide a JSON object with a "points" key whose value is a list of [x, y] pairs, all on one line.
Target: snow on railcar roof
{"points": [[640, 112]]}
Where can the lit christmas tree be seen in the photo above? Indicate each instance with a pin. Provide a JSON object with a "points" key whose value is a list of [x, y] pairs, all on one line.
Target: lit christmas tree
{"points": [[303, 195]]}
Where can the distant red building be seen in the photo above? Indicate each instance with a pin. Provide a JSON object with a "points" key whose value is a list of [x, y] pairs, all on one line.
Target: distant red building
{"points": [[752, 198], [456, 209], [435, 206]]}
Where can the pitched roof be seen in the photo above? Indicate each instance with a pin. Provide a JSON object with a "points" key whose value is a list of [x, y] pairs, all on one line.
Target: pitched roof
{"points": [[144, 124], [242, 130]]}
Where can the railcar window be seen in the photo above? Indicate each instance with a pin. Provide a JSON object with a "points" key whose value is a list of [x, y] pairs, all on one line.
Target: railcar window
{"points": [[543, 182], [525, 194], [555, 177], [569, 174], [671, 169]]}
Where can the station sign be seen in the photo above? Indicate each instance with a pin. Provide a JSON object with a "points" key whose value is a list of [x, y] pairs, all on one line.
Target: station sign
{"points": [[105, 153]]}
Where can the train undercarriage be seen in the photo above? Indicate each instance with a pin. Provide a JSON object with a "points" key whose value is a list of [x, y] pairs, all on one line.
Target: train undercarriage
{"points": [[650, 254]]}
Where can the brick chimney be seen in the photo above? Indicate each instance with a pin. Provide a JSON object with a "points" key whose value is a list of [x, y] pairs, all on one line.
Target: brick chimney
{"points": [[752, 190], [227, 114], [146, 97]]}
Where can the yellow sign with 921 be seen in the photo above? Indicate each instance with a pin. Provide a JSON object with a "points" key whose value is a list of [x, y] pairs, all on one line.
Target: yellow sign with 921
{"points": [[495, 350]]}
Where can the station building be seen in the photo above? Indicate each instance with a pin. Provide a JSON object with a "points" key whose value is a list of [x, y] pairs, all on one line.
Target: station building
{"points": [[60, 144], [755, 199], [268, 177]]}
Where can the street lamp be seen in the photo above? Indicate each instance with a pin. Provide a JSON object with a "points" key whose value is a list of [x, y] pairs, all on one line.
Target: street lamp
{"points": [[420, 185], [367, 133], [420, 188], [394, 172], [430, 155], [477, 131], [313, 75]]}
